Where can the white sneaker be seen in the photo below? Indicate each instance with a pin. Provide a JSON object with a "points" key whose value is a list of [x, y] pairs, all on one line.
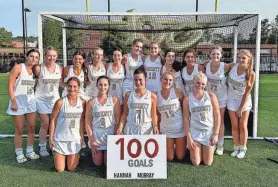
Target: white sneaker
{"points": [[32, 155], [234, 154], [241, 154], [21, 158], [83, 145], [219, 150], [44, 153]]}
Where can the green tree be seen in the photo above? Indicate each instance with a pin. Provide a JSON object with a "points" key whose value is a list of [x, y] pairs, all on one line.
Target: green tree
{"points": [[265, 30], [273, 36], [6, 37], [52, 33]]}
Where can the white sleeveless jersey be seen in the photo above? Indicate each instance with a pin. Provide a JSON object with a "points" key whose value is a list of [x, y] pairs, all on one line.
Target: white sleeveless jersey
{"points": [[68, 121], [178, 79], [171, 113], [153, 70], [139, 114], [116, 82], [188, 79], [217, 82], [236, 84], [132, 65], [24, 88], [103, 122], [47, 89], [80, 78], [91, 89], [201, 112]]}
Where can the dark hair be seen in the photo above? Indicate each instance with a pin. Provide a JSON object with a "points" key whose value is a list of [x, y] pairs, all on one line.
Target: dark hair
{"points": [[117, 49], [137, 40], [189, 51], [74, 79], [140, 70], [32, 51], [103, 77]]}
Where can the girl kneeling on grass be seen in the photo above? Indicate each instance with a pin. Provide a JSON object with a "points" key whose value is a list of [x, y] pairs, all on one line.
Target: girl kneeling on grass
{"points": [[22, 104], [201, 121], [65, 137], [102, 114], [240, 83], [170, 117]]}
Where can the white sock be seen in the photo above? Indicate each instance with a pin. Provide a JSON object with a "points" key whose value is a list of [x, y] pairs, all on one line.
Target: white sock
{"points": [[236, 147], [220, 142], [42, 145], [243, 148], [30, 149], [18, 151]]}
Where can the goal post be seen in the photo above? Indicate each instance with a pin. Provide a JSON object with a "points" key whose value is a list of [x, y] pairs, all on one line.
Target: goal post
{"points": [[177, 31]]}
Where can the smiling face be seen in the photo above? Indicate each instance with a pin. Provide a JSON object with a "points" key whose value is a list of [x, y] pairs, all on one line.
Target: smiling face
{"points": [[137, 48], [215, 55], [103, 86], [140, 81], [51, 57], [189, 58], [199, 82], [154, 49], [170, 58], [98, 56], [72, 88], [243, 60], [78, 61], [167, 81], [32, 59], [117, 56]]}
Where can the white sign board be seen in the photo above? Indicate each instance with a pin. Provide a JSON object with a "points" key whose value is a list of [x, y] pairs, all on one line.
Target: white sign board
{"points": [[136, 157]]}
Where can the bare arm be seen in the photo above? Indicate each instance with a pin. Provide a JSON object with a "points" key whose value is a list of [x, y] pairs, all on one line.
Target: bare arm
{"points": [[246, 94], [89, 119], [217, 118], [61, 84], [82, 120], [124, 114], [117, 112], [186, 125], [153, 114], [16, 71], [53, 119]]}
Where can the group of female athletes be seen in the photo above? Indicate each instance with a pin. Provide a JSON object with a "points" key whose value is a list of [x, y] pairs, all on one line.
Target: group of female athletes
{"points": [[134, 95]]}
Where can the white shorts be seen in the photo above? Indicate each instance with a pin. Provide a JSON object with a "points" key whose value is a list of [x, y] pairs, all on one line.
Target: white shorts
{"points": [[67, 147], [223, 103], [44, 108], [201, 136], [233, 104], [21, 111]]}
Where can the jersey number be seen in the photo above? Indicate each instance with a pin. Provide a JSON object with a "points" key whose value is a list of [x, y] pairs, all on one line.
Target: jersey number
{"points": [[213, 87], [170, 114], [152, 75], [72, 124]]}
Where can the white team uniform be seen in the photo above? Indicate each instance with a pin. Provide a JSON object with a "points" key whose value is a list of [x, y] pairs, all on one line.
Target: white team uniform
{"points": [[171, 122], [67, 139], [139, 121], [217, 84], [47, 89], [178, 79], [116, 82], [236, 89], [201, 119], [103, 122], [91, 90], [130, 67], [153, 69], [188, 79], [24, 93]]}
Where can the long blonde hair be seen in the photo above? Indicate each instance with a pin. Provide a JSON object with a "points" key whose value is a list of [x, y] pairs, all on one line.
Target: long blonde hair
{"points": [[250, 65]]}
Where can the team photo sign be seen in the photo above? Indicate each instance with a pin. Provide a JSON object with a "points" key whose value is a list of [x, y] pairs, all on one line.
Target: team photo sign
{"points": [[136, 157]]}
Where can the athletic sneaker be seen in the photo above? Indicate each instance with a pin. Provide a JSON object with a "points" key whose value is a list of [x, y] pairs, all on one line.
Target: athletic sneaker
{"points": [[21, 158], [219, 150], [83, 145], [32, 156], [44, 153], [234, 154], [241, 154]]}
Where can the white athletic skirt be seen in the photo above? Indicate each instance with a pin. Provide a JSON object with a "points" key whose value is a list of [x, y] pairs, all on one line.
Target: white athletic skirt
{"points": [[201, 136], [223, 103], [22, 110], [132, 129], [233, 104], [128, 86], [67, 147], [44, 108], [101, 135], [173, 133]]}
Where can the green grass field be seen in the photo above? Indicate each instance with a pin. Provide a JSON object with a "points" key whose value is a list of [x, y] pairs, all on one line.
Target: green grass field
{"points": [[254, 170]]}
